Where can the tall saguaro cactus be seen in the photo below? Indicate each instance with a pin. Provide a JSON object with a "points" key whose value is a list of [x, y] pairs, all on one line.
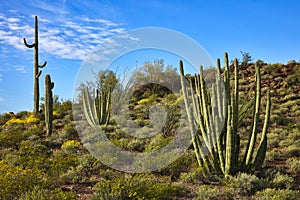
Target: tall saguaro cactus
{"points": [[213, 115], [36, 72], [48, 104]]}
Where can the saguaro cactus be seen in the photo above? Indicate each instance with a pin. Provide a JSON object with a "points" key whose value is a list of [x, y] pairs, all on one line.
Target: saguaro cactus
{"points": [[213, 116], [36, 72], [48, 104]]}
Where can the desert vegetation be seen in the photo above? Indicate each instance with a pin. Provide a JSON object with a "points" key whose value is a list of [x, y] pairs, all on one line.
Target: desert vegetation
{"points": [[256, 156]]}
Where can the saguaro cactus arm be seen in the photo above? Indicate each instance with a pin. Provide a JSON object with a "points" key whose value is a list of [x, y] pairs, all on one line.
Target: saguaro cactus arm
{"points": [[28, 45], [43, 65]]}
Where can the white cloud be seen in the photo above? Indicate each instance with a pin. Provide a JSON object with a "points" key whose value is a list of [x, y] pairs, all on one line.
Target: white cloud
{"points": [[102, 21], [71, 38], [20, 68], [1, 77], [55, 9], [1, 99], [13, 20]]}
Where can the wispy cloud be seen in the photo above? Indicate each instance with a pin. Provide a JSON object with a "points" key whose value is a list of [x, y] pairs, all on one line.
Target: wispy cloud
{"points": [[20, 68], [1, 77], [53, 8], [1, 99], [71, 38]]}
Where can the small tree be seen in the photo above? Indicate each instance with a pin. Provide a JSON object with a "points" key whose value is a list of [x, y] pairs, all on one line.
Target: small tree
{"points": [[246, 58]]}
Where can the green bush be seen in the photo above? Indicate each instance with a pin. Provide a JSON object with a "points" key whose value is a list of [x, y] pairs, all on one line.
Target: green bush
{"points": [[294, 165], [12, 136], [135, 187], [273, 194], [33, 155], [209, 192], [62, 162], [86, 168], [157, 142], [182, 164], [273, 155], [70, 146], [45, 194], [294, 149], [281, 181], [5, 117], [245, 184]]}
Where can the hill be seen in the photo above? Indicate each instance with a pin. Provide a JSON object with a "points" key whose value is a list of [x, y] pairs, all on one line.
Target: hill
{"points": [[33, 166]]}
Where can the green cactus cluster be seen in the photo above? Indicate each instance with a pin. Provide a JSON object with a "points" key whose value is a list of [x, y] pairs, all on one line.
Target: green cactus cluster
{"points": [[97, 106], [97, 103], [48, 104], [37, 73], [213, 115]]}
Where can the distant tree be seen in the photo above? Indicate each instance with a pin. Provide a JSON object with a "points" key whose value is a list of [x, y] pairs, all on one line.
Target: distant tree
{"points": [[246, 58], [156, 76]]}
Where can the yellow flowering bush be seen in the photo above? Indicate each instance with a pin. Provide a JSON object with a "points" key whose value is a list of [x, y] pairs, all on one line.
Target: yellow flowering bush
{"points": [[29, 119], [148, 100], [14, 180], [70, 145]]}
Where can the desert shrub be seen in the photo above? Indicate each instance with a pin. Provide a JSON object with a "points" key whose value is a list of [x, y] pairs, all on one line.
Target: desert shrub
{"points": [[62, 162], [182, 164], [46, 194], [16, 180], [282, 181], [273, 194], [70, 130], [273, 140], [62, 109], [273, 155], [294, 133], [210, 192], [5, 117], [87, 166], [11, 137], [136, 145], [26, 118], [294, 150], [293, 165], [188, 177], [245, 184], [157, 142], [135, 187], [286, 142], [33, 155], [70, 146], [281, 120], [273, 68]]}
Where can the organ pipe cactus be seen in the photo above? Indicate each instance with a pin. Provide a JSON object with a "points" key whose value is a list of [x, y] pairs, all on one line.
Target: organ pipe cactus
{"points": [[97, 103], [36, 72], [48, 104], [213, 116], [96, 107]]}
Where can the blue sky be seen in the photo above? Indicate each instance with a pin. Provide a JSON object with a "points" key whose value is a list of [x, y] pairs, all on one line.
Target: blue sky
{"points": [[70, 29]]}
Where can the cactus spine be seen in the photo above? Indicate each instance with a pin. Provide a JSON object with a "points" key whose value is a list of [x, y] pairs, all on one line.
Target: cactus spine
{"points": [[213, 120], [36, 72], [48, 104]]}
